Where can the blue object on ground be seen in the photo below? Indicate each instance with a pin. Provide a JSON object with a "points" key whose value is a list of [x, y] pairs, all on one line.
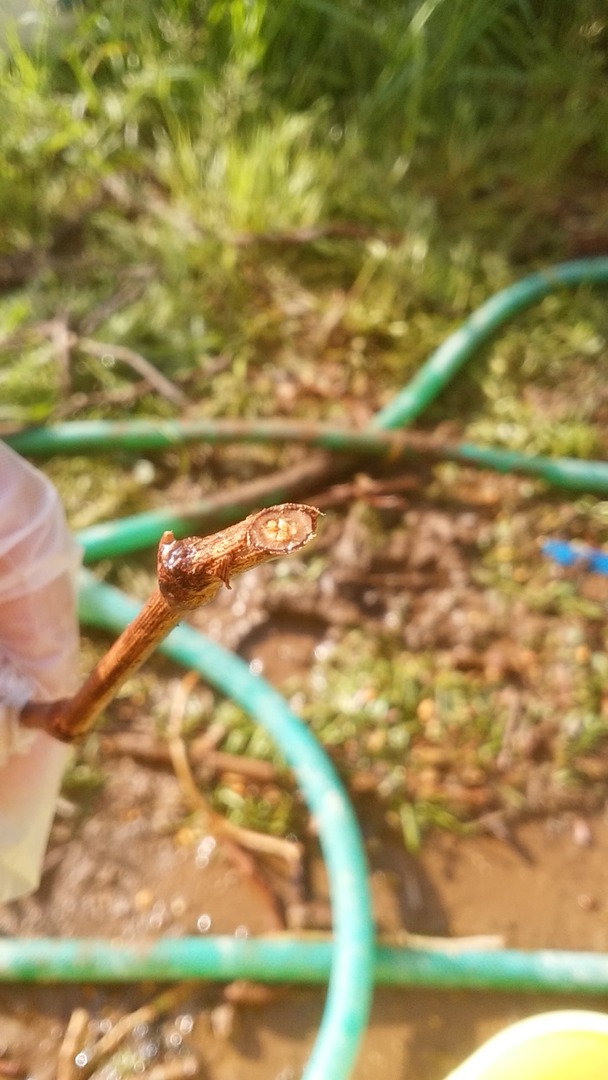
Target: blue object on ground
{"points": [[568, 554]]}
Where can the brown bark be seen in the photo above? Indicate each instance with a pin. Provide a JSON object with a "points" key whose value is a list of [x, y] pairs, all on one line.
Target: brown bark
{"points": [[190, 573]]}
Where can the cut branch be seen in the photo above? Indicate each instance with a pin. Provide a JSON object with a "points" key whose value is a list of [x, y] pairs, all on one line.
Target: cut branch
{"points": [[190, 573]]}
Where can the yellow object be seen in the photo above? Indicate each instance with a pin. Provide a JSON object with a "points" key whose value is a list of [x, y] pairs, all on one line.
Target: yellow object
{"points": [[561, 1045]]}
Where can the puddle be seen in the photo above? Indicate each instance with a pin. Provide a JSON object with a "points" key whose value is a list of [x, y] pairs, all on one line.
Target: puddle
{"points": [[283, 647]]}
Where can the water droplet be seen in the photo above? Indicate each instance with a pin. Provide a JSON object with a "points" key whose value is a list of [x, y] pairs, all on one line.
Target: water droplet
{"points": [[323, 650], [208, 844], [204, 850], [144, 472], [241, 932], [203, 923], [150, 1050]]}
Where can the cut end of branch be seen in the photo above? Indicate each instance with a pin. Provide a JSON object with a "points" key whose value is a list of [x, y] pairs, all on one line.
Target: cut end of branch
{"points": [[191, 570], [190, 573], [284, 528]]}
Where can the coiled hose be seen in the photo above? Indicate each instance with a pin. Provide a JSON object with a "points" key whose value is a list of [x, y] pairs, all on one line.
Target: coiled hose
{"points": [[350, 962]]}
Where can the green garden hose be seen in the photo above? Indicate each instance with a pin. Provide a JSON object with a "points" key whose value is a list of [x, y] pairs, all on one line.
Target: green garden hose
{"points": [[460, 346], [139, 436], [142, 530], [350, 961], [289, 960]]}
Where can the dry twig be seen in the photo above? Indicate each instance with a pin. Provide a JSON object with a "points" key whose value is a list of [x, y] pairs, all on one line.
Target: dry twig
{"points": [[108, 1044], [172, 1070], [73, 1041], [135, 360], [403, 939], [260, 843], [154, 752]]}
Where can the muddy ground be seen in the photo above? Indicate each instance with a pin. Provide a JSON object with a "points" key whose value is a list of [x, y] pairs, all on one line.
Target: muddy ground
{"points": [[452, 570], [550, 890]]}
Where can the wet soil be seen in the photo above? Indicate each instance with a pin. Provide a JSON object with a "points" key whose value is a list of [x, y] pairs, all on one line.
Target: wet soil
{"points": [[130, 860], [546, 889]]}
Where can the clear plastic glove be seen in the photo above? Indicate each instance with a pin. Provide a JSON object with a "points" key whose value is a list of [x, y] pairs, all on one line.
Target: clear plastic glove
{"points": [[39, 561]]}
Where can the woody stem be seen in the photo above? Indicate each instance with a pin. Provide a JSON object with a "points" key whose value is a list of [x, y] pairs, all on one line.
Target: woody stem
{"points": [[190, 573]]}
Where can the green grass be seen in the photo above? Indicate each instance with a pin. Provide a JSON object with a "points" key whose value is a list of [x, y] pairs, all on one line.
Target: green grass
{"points": [[142, 151]]}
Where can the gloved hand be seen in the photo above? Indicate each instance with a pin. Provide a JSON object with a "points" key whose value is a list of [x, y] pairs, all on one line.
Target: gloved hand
{"points": [[39, 561]]}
